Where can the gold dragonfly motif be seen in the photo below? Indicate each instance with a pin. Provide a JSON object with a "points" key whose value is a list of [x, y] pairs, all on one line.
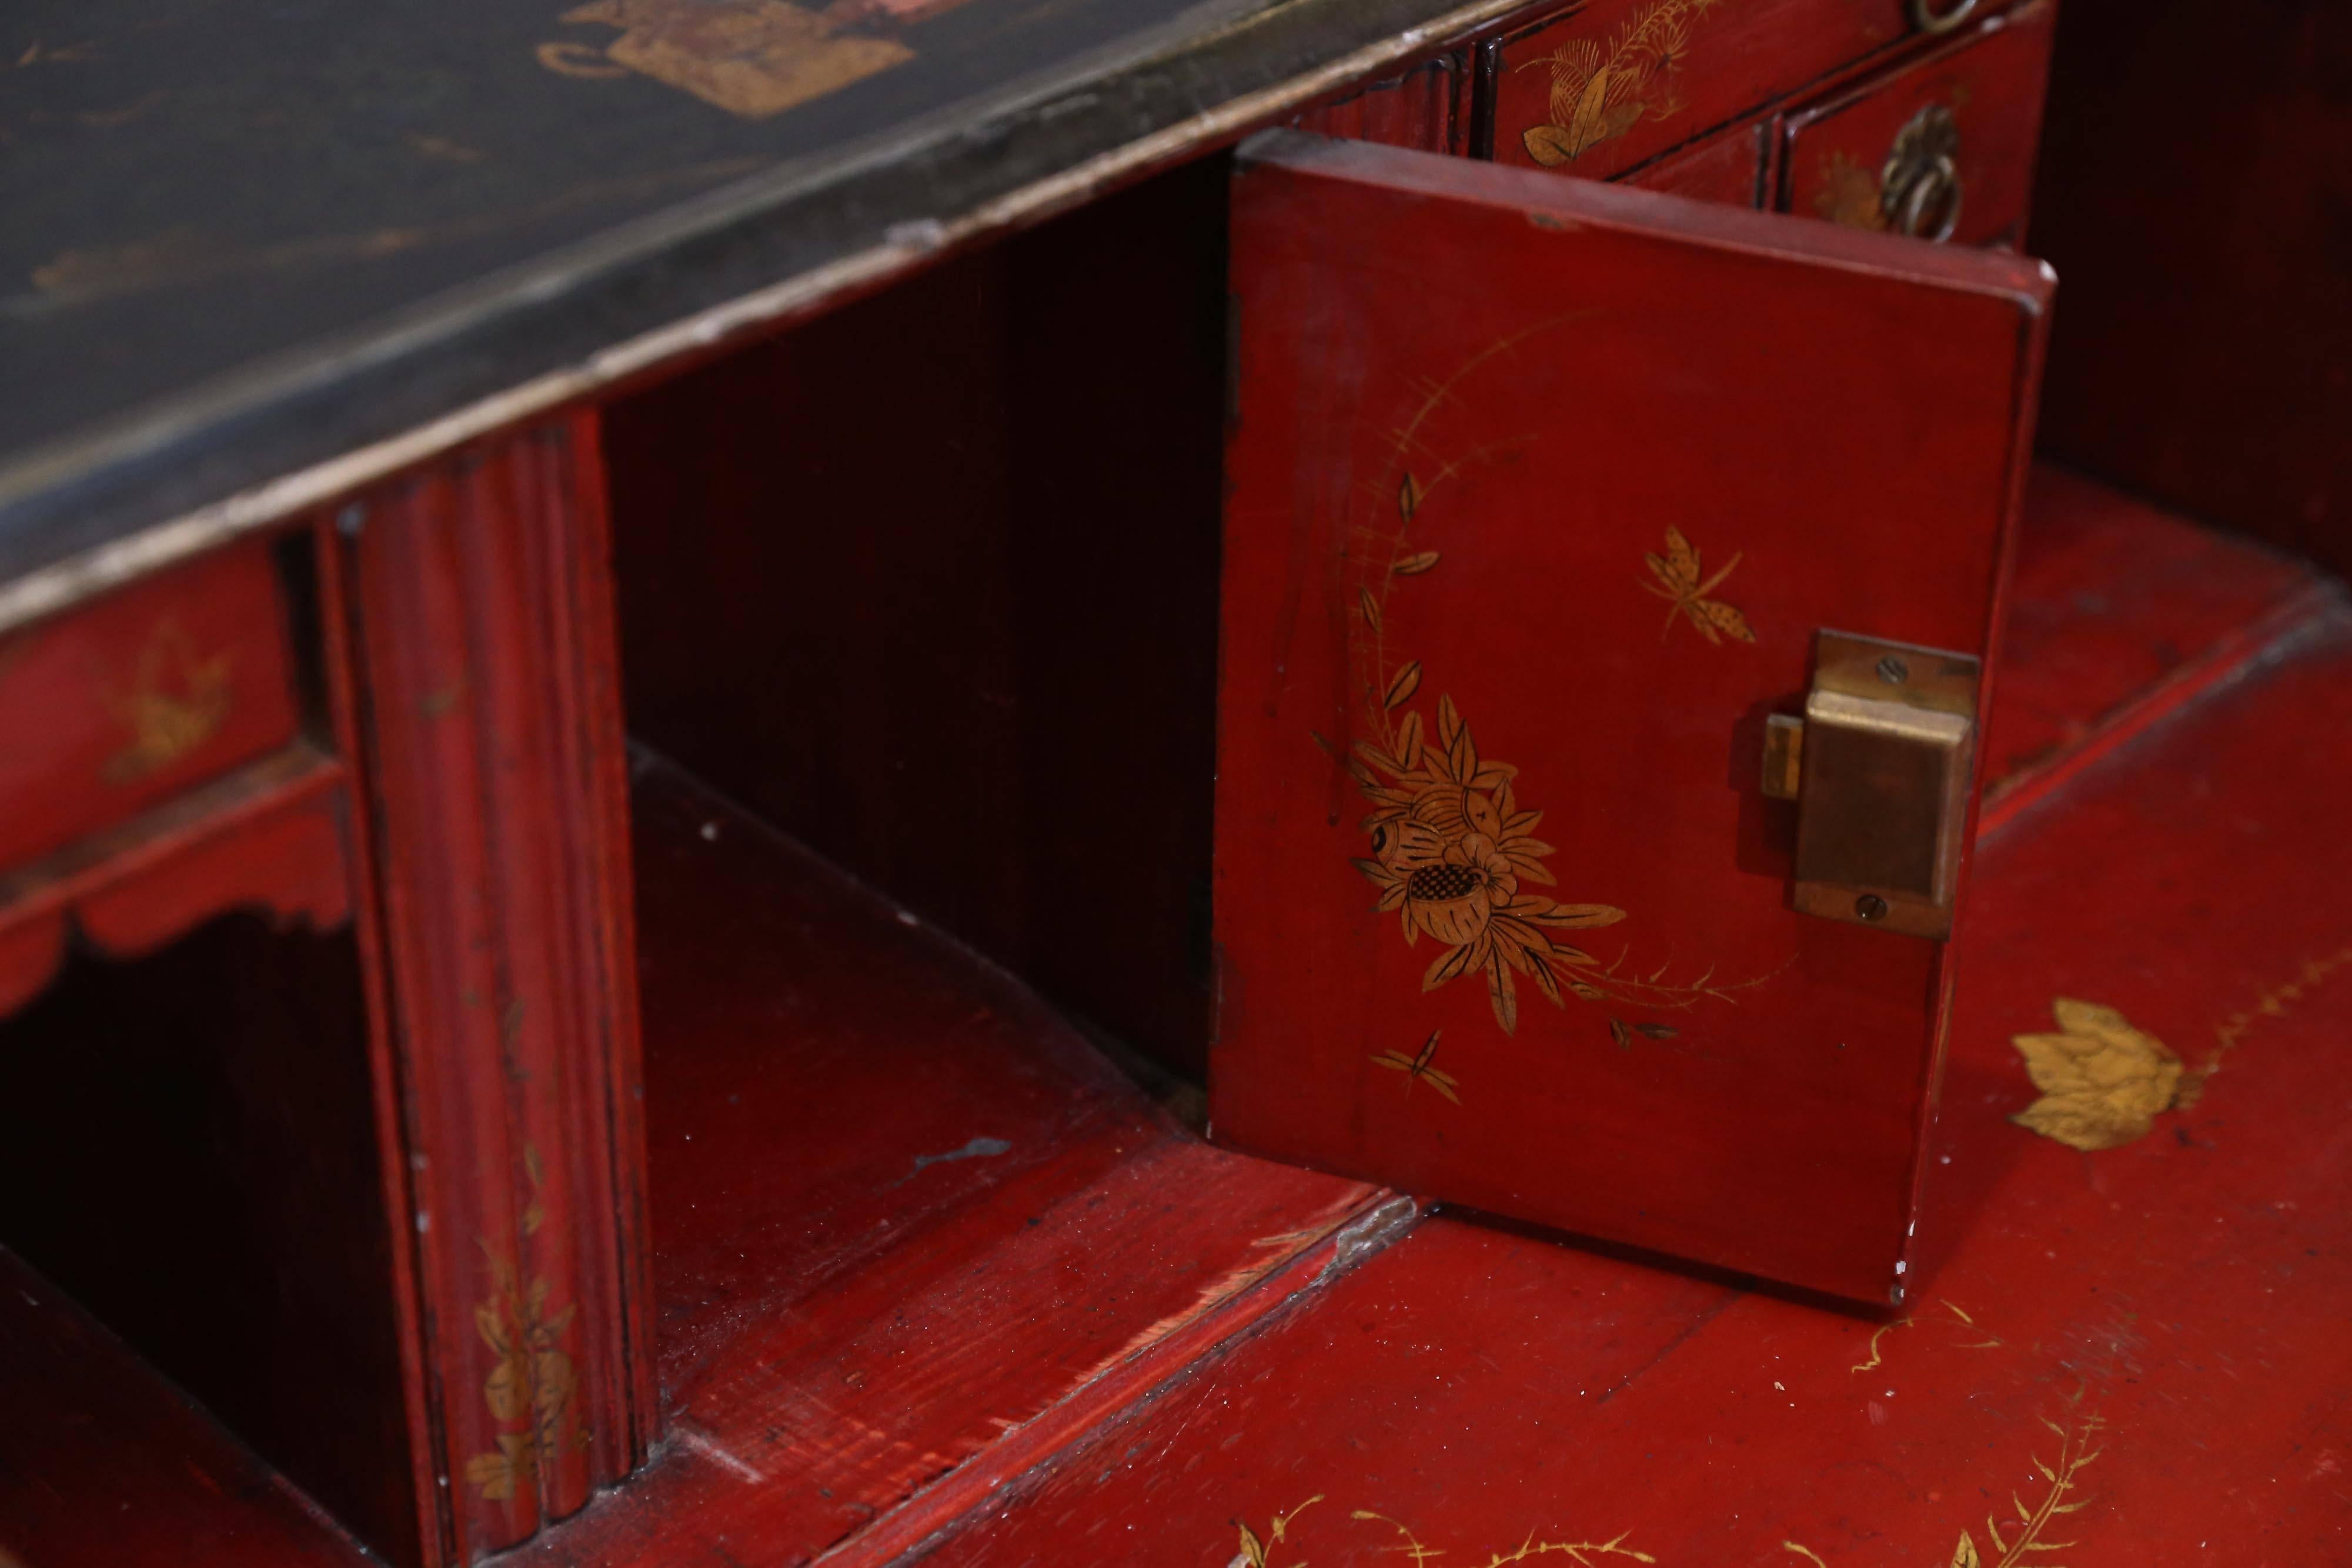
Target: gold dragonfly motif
{"points": [[1417, 1067], [1678, 571]]}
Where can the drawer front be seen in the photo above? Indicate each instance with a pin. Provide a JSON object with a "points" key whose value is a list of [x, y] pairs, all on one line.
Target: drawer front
{"points": [[1729, 167], [116, 707], [1620, 81], [1943, 148], [1417, 110]]}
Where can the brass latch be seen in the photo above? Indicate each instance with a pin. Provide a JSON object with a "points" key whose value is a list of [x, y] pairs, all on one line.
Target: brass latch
{"points": [[1879, 769]]}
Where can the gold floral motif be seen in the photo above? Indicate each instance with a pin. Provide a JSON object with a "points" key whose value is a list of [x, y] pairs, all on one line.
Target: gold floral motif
{"points": [[1686, 596], [1454, 848], [534, 1382], [1258, 1551], [2020, 1542], [1449, 847], [2102, 1081], [1849, 193], [176, 703], [1916, 191], [2027, 1544], [1599, 92]]}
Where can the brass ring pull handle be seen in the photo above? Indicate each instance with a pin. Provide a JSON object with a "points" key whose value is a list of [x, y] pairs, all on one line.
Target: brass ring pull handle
{"points": [[1929, 20], [1936, 191], [1919, 184]]}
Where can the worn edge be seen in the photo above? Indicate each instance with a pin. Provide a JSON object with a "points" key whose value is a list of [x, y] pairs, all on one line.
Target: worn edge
{"points": [[48, 589]]}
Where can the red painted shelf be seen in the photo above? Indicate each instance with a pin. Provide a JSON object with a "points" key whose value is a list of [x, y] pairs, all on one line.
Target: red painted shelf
{"points": [[2120, 613], [909, 1229]]}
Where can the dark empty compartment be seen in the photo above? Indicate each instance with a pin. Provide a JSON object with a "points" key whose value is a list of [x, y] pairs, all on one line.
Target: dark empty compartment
{"points": [[188, 1148], [929, 583]]}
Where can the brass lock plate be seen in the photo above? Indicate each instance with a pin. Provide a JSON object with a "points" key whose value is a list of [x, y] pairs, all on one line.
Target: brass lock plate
{"points": [[1879, 767]]}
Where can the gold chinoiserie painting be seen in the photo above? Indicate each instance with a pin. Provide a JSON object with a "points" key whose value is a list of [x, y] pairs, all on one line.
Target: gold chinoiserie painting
{"points": [[1603, 86], [1454, 851]]}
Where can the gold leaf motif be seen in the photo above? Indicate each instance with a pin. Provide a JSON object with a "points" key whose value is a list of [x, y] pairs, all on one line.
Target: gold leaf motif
{"points": [[1407, 682], [1415, 564], [1687, 595], [533, 1381], [1599, 93], [2102, 1081], [177, 701], [2022, 1539], [1407, 497], [1547, 144], [1849, 195], [1259, 1553], [1408, 742]]}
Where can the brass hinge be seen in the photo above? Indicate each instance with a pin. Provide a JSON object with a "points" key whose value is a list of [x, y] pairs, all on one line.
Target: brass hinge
{"points": [[1879, 767]]}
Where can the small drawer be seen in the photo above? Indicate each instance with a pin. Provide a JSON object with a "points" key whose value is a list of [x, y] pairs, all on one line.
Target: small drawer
{"points": [[111, 708], [1620, 81], [1726, 167], [1943, 149], [1419, 110]]}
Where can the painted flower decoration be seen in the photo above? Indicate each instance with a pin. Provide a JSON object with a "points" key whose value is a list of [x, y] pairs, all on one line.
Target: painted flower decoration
{"points": [[2102, 1081], [1454, 897], [1450, 850], [1454, 853]]}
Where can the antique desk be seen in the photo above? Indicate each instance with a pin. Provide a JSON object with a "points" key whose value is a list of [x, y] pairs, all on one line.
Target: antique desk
{"points": [[667, 895]]}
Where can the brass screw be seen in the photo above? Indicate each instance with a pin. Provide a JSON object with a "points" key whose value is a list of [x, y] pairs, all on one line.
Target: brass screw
{"points": [[1893, 671], [1870, 906]]}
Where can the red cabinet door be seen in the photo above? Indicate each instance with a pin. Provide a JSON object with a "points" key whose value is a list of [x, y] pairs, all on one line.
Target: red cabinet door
{"points": [[1539, 492]]}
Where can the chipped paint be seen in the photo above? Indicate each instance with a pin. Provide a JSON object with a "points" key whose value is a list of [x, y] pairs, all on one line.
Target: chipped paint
{"points": [[717, 1453], [977, 1149]]}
